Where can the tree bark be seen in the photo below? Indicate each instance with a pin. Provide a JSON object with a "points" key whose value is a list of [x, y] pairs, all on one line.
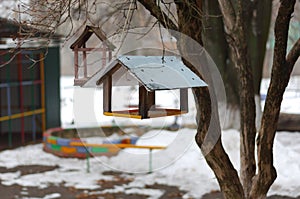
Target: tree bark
{"points": [[280, 76], [156, 11], [258, 31], [215, 43], [236, 30]]}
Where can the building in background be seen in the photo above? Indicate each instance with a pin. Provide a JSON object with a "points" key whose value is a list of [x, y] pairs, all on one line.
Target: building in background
{"points": [[29, 86]]}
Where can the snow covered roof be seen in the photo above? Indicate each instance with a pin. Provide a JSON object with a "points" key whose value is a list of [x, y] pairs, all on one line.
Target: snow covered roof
{"points": [[154, 72]]}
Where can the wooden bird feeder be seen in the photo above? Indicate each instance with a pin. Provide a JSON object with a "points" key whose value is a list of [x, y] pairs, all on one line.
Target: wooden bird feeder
{"points": [[79, 46], [152, 75]]}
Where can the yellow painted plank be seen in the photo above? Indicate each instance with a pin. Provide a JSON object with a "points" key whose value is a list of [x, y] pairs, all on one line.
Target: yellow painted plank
{"points": [[117, 145], [24, 114], [122, 115]]}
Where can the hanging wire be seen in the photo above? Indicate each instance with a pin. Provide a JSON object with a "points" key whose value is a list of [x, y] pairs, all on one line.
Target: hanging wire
{"points": [[125, 24], [160, 32]]}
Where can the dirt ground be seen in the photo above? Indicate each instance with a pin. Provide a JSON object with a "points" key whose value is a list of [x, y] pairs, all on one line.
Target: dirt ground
{"points": [[19, 192]]}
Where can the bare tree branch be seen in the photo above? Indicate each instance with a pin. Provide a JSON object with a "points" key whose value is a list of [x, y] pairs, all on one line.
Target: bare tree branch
{"points": [[229, 14], [293, 54], [157, 12], [281, 71]]}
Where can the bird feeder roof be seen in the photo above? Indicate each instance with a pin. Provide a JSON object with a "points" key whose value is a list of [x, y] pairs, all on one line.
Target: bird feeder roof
{"points": [[87, 33], [154, 72]]}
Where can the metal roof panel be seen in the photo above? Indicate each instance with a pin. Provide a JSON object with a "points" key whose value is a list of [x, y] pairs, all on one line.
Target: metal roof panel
{"points": [[161, 73]]}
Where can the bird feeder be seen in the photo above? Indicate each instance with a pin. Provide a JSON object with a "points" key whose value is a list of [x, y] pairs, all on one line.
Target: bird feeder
{"points": [[150, 73], [80, 48], [153, 73]]}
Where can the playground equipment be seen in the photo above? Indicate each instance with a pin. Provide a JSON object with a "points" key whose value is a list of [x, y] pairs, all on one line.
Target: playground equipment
{"points": [[66, 143], [27, 84], [71, 146]]}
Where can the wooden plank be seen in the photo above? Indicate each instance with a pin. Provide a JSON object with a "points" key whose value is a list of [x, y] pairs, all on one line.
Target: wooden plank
{"points": [[84, 63], [165, 112], [150, 100], [80, 82], [184, 102], [107, 91], [76, 62], [104, 58], [120, 114], [153, 113], [143, 108], [109, 55], [115, 66]]}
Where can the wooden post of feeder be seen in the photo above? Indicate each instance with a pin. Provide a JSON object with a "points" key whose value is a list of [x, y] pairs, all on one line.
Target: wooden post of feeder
{"points": [[84, 61], [76, 62], [104, 55], [109, 55], [146, 101], [184, 104], [107, 91]]}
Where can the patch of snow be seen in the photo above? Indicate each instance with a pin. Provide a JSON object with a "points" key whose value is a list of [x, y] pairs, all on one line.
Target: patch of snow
{"points": [[152, 193], [291, 97], [49, 196], [52, 196], [8, 177]]}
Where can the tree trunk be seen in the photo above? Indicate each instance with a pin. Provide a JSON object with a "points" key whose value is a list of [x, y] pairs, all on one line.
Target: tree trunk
{"points": [[281, 71], [236, 30], [257, 19], [207, 108], [215, 43]]}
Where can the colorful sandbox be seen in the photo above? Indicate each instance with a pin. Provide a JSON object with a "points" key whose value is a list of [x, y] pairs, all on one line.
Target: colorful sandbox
{"points": [[73, 147]]}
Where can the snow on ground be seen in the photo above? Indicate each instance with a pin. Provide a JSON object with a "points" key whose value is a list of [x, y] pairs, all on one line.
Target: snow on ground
{"points": [[291, 97], [181, 164]]}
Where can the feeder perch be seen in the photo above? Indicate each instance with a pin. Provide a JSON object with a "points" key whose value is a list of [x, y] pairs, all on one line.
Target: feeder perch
{"points": [[152, 73]]}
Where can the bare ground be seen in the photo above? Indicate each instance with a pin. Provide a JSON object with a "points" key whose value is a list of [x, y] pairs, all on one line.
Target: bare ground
{"points": [[63, 192]]}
